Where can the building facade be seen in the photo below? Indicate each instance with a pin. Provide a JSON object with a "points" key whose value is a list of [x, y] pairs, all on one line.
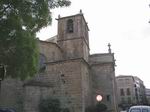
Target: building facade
{"points": [[131, 91], [67, 72], [148, 96]]}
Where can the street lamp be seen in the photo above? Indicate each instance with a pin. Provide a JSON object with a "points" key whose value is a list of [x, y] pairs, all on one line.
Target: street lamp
{"points": [[99, 98], [2, 73]]}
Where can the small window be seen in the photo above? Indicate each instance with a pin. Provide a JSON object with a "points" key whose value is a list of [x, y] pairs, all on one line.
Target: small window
{"points": [[70, 26], [62, 75], [42, 63], [121, 92], [108, 98]]}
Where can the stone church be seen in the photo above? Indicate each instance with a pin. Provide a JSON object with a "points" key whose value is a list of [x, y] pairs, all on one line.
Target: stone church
{"points": [[67, 72]]}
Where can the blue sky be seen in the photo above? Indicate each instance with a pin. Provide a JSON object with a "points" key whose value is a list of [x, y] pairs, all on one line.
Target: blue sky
{"points": [[123, 23]]}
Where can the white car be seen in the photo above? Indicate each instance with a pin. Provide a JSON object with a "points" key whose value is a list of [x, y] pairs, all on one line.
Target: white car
{"points": [[139, 108]]}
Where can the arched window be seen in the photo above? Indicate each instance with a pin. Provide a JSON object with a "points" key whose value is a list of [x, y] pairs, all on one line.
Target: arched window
{"points": [[70, 26], [42, 63]]}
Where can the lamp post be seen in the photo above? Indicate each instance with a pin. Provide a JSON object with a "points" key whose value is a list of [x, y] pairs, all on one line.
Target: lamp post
{"points": [[100, 107], [2, 73]]}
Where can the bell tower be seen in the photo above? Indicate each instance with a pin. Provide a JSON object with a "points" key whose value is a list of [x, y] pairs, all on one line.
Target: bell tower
{"points": [[73, 36]]}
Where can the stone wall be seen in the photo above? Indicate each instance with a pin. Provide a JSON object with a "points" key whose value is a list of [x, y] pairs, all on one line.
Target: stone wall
{"points": [[86, 84], [80, 28], [11, 94], [102, 83], [76, 43], [67, 81], [71, 48], [51, 51], [103, 79], [34, 94]]}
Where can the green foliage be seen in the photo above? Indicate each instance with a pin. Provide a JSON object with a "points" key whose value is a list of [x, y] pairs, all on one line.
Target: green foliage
{"points": [[65, 110], [90, 109], [99, 107], [49, 105], [19, 22]]}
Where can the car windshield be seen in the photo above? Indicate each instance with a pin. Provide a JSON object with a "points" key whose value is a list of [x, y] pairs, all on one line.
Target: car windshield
{"points": [[138, 110], [135, 110], [145, 110]]}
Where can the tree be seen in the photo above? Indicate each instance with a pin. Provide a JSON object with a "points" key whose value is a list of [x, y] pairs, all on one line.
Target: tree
{"points": [[99, 107], [19, 22], [51, 105]]}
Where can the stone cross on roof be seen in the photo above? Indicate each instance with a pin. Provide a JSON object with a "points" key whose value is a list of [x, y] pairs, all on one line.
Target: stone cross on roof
{"points": [[109, 48], [80, 11]]}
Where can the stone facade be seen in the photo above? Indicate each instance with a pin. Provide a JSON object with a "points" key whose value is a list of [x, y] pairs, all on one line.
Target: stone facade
{"points": [[69, 72], [103, 78], [131, 91], [148, 96], [11, 94]]}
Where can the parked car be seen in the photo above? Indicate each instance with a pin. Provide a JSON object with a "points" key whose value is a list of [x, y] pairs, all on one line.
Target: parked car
{"points": [[7, 110], [123, 111], [139, 108]]}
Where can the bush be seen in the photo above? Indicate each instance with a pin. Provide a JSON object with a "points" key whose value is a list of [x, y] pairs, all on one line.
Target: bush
{"points": [[49, 105], [99, 107]]}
